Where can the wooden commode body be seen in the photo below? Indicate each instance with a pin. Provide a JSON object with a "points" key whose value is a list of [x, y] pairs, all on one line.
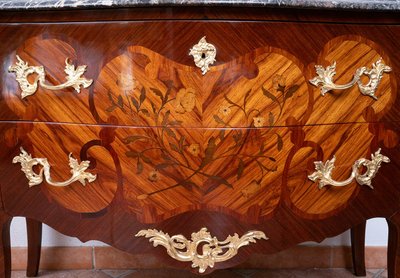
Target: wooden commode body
{"points": [[215, 133]]}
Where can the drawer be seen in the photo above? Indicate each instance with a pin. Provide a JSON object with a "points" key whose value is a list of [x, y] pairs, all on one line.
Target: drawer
{"points": [[152, 175], [253, 184], [148, 78]]}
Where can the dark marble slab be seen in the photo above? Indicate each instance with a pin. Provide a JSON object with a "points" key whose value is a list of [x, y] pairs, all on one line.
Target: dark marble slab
{"points": [[327, 4]]}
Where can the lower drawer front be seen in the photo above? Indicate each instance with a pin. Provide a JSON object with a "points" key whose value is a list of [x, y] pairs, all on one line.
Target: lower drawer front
{"points": [[156, 173], [186, 188]]}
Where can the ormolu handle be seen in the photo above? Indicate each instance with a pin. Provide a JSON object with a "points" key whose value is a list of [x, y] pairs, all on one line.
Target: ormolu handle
{"points": [[323, 171], [182, 249], [325, 78], [74, 77], [77, 170]]}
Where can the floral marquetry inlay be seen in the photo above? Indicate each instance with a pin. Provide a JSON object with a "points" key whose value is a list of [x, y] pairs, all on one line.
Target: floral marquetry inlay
{"points": [[200, 138], [185, 100]]}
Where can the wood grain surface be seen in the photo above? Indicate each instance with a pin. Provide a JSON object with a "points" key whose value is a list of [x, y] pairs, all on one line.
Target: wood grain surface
{"points": [[260, 54], [177, 151]]}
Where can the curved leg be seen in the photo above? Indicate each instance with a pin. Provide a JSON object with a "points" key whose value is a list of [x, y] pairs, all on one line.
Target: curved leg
{"points": [[34, 231], [358, 249], [5, 249], [394, 246]]}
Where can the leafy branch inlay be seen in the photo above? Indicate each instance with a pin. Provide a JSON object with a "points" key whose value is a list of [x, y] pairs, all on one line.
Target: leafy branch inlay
{"points": [[165, 150]]}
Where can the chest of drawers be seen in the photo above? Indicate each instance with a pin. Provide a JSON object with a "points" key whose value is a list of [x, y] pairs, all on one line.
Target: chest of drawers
{"points": [[212, 132]]}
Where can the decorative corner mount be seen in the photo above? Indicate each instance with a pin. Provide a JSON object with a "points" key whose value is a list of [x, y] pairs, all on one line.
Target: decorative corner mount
{"points": [[184, 250], [323, 171], [325, 78], [22, 70], [77, 170], [203, 54]]}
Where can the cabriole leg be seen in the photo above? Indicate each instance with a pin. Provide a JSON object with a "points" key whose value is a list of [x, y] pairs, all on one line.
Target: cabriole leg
{"points": [[34, 231], [358, 249], [394, 246], [5, 249]]}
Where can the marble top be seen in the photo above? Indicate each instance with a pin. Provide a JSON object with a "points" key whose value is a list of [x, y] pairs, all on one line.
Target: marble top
{"points": [[393, 5]]}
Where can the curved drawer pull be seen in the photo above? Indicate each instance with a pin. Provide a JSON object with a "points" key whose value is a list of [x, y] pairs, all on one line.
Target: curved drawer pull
{"points": [[74, 77], [324, 171], [77, 170], [203, 54], [325, 78], [184, 250]]}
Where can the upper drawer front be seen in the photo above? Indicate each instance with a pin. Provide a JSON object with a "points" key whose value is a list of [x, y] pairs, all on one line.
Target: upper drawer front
{"points": [[141, 73]]}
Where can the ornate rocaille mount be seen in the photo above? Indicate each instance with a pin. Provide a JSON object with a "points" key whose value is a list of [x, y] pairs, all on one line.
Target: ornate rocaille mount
{"points": [[324, 171], [325, 78], [77, 170], [203, 54], [74, 77], [182, 249]]}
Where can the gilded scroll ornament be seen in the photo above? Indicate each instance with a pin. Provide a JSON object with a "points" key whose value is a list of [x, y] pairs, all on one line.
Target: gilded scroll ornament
{"points": [[182, 249], [325, 76], [323, 171], [203, 54], [77, 170], [22, 70]]}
